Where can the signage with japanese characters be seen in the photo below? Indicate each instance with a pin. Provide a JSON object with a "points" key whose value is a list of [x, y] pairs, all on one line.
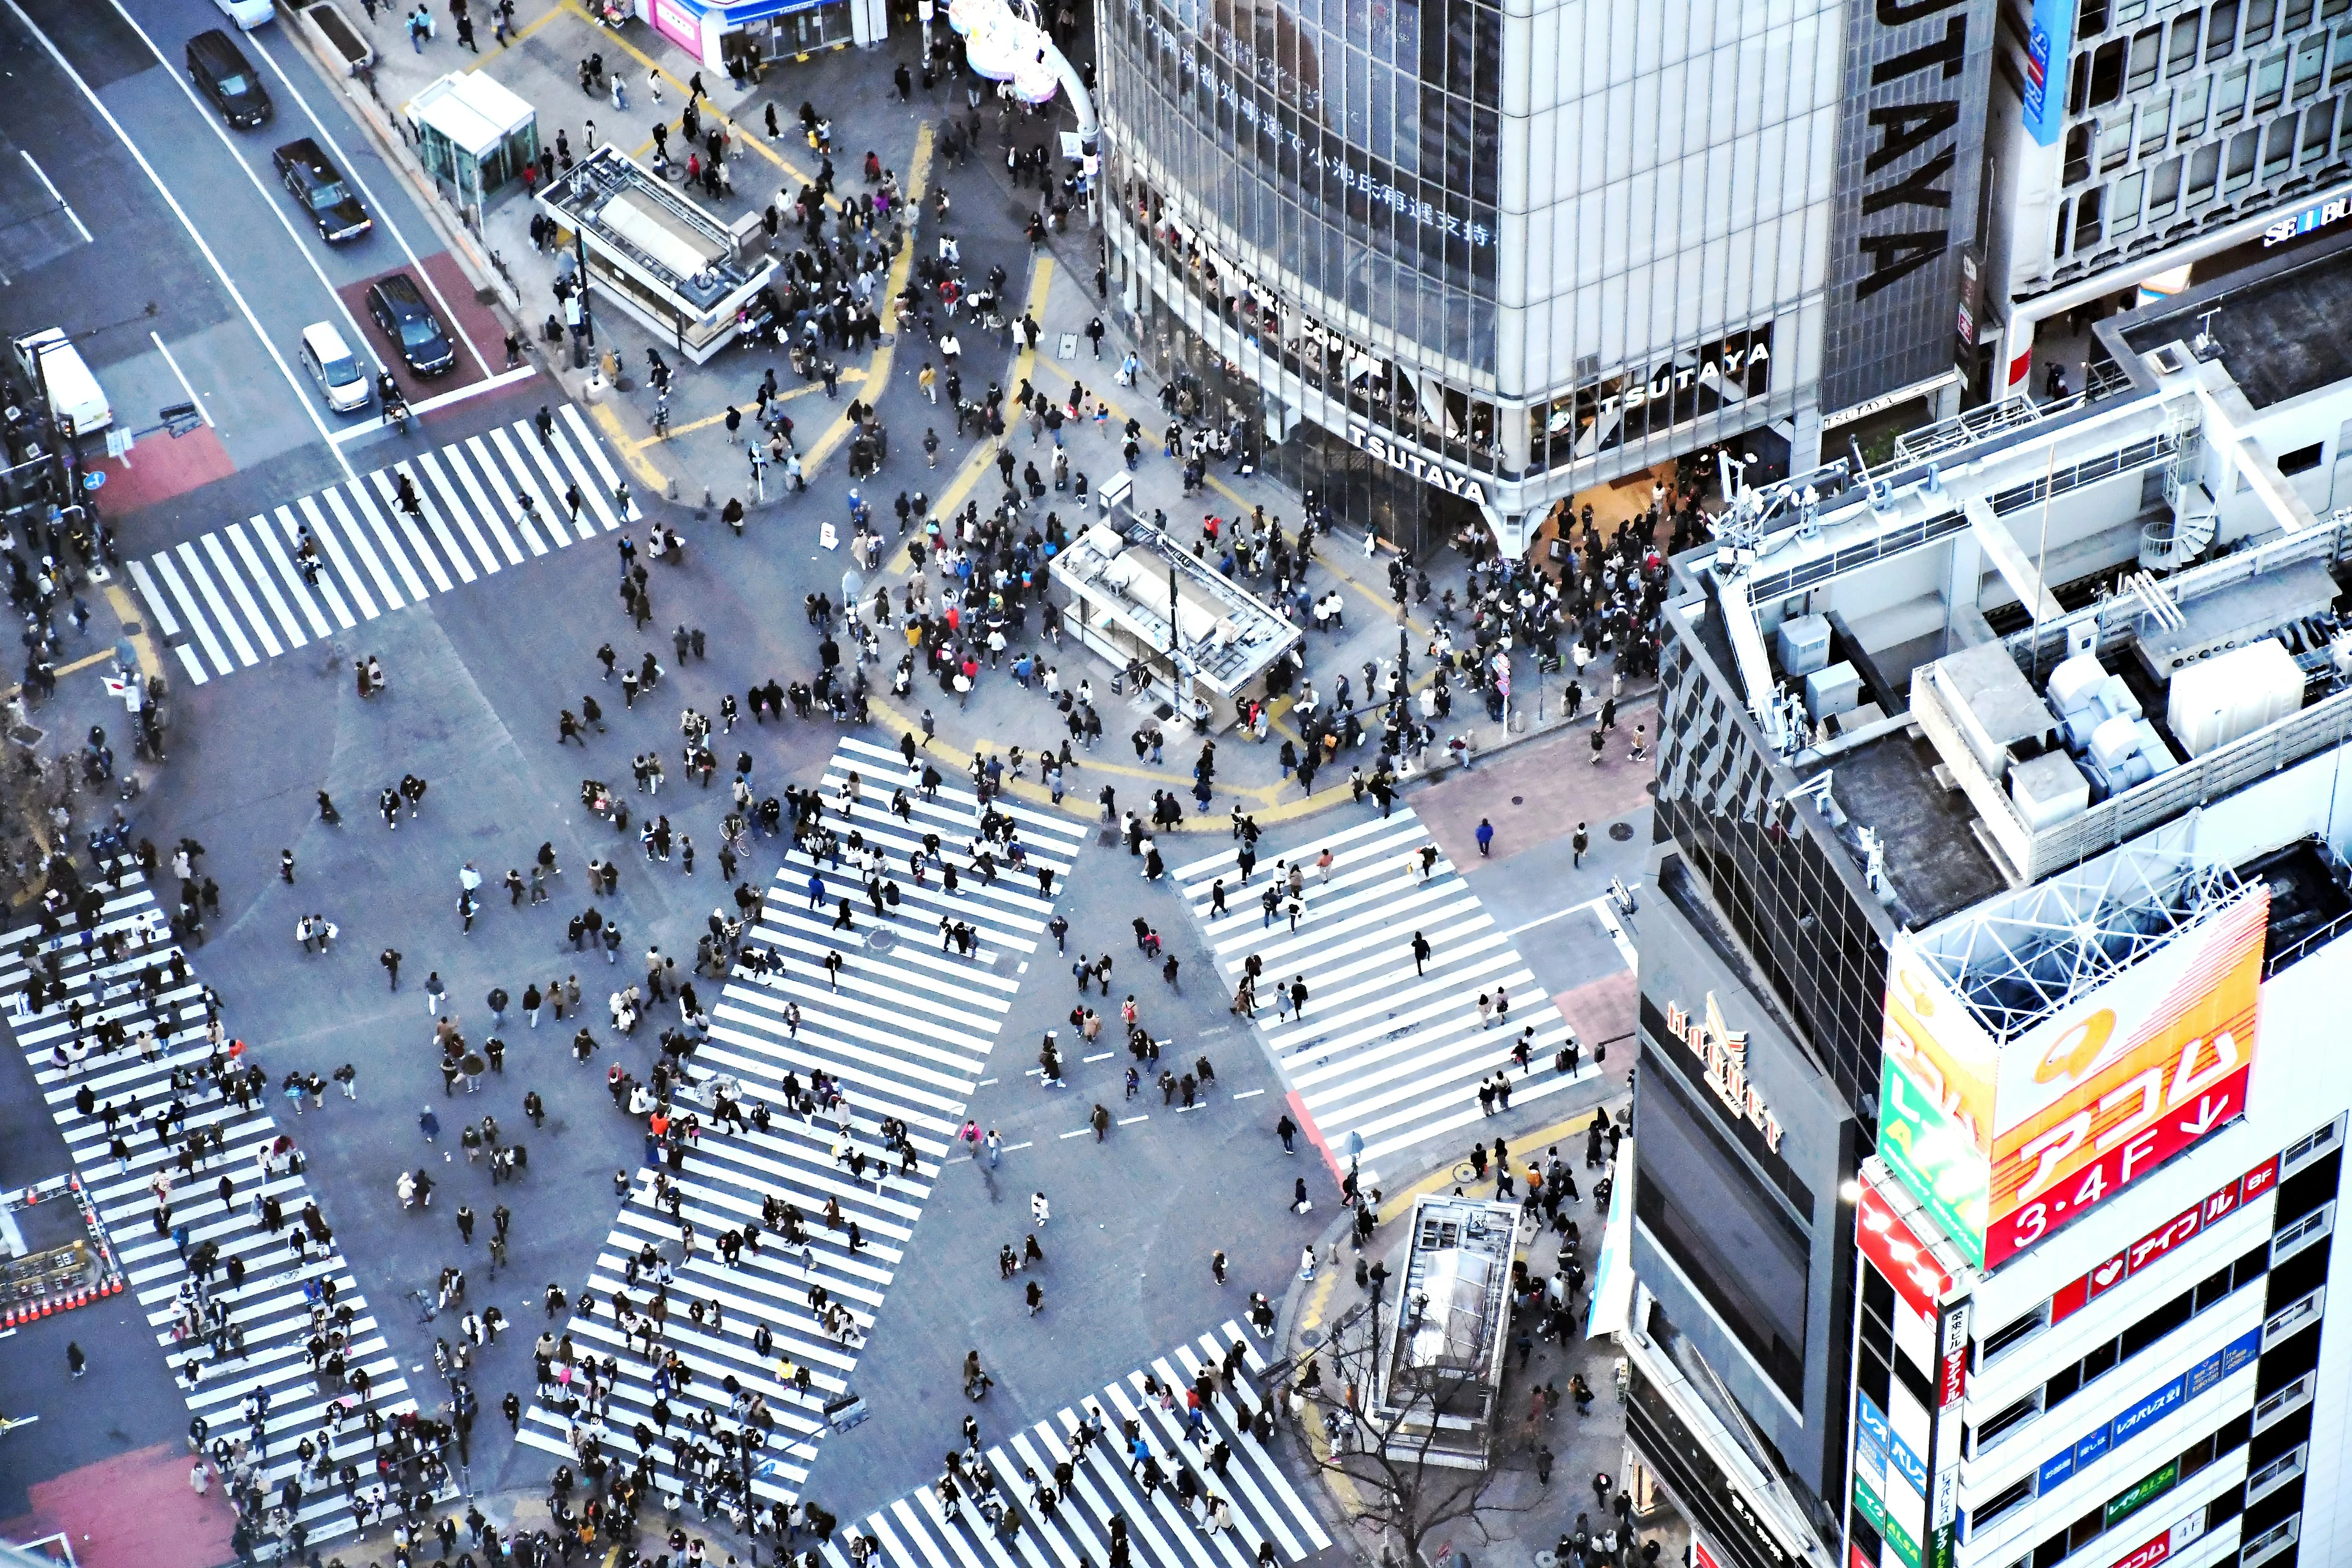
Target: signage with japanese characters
{"points": [[1294, 119], [2158, 1244], [1894, 1249], [2070, 1111], [2151, 1409]]}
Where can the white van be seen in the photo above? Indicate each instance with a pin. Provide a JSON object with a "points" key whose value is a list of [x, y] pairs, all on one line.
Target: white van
{"points": [[333, 367], [72, 392]]}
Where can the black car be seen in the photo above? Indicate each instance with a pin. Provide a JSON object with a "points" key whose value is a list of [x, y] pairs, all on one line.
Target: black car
{"points": [[319, 187], [402, 314], [218, 69]]}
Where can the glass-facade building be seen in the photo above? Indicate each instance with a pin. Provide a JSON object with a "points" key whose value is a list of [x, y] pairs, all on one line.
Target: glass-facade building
{"points": [[1453, 264]]}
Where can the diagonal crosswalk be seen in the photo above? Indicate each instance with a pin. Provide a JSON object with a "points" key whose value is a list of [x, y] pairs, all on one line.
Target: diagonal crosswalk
{"points": [[125, 969], [1390, 1050], [239, 595], [905, 1029], [1103, 1483]]}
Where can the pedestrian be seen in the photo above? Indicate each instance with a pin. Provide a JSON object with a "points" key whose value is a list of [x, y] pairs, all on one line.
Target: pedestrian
{"points": [[76, 1363], [1286, 1130], [430, 1124], [1486, 837], [390, 959], [1217, 1267], [1039, 1210], [1580, 845]]}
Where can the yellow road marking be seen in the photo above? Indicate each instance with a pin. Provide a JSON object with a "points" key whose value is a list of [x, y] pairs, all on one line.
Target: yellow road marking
{"points": [[735, 133], [632, 451], [878, 374], [518, 35]]}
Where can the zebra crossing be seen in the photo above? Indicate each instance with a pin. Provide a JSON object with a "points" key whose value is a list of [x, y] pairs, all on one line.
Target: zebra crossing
{"points": [[274, 1306], [904, 1028], [914, 1532], [237, 596], [1388, 1050]]}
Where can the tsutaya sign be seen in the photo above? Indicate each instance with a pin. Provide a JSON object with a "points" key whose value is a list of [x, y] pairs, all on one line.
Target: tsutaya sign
{"points": [[1725, 1054], [1397, 455]]}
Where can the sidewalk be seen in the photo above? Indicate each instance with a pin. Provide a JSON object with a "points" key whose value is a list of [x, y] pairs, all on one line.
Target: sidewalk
{"points": [[1519, 1517]]}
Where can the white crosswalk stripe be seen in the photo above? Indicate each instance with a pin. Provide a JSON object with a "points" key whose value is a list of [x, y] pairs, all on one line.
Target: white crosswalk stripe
{"points": [[238, 597], [282, 1299], [915, 1532], [905, 1029], [1389, 1050]]}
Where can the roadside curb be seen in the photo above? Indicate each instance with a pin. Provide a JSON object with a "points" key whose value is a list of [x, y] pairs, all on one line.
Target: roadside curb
{"points": [[384, 132]]}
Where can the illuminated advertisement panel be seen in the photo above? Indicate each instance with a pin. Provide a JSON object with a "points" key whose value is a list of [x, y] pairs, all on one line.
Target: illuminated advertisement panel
{"points": [[2005, 1145], [2094, 1099]]}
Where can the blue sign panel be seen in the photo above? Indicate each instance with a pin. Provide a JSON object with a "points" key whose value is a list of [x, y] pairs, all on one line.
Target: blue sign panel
{"points": [[2163, 1402], [2200, 1379], [2049, 47]]}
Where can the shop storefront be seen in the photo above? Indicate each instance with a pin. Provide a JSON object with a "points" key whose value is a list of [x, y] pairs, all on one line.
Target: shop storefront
{"points": [[789, 31], [747, 39]]}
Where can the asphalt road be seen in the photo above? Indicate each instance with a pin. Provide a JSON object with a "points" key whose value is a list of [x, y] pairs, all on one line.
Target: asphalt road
{"points": [[202, 270], [477, 675]]}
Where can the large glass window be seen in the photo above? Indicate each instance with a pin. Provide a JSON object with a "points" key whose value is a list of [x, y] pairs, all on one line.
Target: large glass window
{"points": [[1352, 145], [1732, 1237]]}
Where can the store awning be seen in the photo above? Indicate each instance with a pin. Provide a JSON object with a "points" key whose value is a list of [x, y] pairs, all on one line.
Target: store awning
{"points": [[1612, 1308]]}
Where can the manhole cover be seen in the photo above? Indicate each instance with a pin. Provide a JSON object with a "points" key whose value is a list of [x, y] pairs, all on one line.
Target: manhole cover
{"points": [[881, 940], [1518, 800], [1620, 831], [1310, 1338], [132, 628]]}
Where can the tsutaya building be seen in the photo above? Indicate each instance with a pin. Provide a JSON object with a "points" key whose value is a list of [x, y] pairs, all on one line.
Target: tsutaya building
{"points": [[2002, 851], [1517, 252]]}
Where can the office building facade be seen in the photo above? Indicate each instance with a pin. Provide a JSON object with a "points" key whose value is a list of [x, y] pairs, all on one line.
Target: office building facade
{"points": [[1988, 1127], [2144, 147], [1453, 262]]}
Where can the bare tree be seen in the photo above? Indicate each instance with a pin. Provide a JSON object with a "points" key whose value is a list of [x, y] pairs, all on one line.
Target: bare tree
{"points": [[1410, 1476]]}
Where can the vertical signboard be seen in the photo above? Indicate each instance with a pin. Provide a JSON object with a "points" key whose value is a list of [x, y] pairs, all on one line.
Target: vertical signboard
{"points": [[1910, 159], [2049, 43], [1951, 1387]]}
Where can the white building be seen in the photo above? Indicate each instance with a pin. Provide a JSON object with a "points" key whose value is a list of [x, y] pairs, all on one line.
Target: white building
{"points": [[1998, 923]]}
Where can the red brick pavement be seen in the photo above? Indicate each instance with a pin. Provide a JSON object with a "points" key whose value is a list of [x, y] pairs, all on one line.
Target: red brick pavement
{"points": [[134, 1510], [1556, 786]]}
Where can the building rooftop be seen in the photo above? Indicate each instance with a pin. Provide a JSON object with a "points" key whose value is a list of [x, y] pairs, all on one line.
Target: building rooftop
{"points": [[1229, 633], [1927, 833], [2279, 330], [2206, 643], [634, 213]]}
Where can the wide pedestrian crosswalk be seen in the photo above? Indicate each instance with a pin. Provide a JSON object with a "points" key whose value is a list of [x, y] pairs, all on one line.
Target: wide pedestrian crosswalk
{"points": [[1390, 1050], [904, 1028], [915, 1531], [281, 1307], [237, 596]]}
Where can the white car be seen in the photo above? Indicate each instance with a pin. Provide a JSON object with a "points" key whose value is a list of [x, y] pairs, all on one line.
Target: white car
{"points": [[335, 368], [247, 14]]}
